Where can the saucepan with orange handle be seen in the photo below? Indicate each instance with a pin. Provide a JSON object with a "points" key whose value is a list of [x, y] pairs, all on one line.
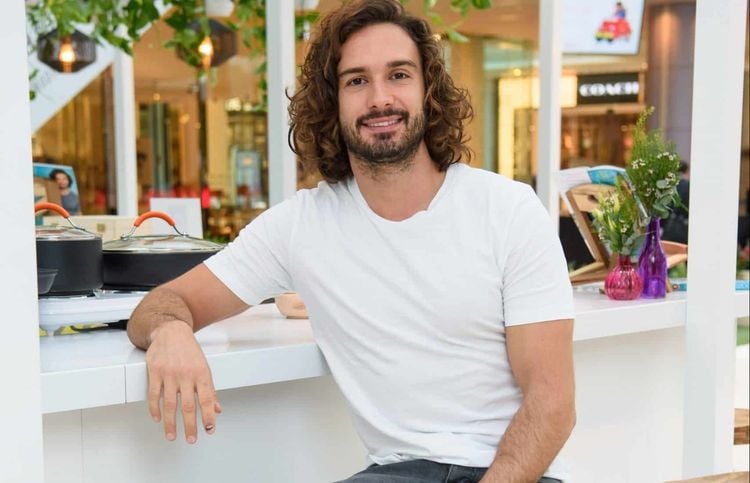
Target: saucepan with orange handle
{"points": [[141, 262], [70, 253]]}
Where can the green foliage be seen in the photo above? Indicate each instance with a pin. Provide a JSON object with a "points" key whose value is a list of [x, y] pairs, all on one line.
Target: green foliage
{"points": [[121, 22], [463, 7], [678, 271], [653, 170], [618, 221], [743, 335]]}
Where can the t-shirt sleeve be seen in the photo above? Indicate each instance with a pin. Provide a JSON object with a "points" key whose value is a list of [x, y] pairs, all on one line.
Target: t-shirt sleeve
{"points": [[536, 285], [255, 265]]}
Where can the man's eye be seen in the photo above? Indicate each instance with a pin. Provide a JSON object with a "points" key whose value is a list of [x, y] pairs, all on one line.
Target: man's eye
{"points": [[357, 81], [400, 75]]}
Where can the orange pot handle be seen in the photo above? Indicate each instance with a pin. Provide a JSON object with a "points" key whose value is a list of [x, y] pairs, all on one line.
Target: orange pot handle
{"points": [[153, 214], [46, 205]]}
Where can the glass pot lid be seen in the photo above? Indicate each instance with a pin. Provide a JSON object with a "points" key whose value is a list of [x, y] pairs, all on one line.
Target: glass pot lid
{"points": [[61, 232], [176, 243]]}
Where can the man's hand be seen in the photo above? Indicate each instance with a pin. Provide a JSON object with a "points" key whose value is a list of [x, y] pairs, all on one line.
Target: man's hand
{"points": [[176, 365], [163, 325]]}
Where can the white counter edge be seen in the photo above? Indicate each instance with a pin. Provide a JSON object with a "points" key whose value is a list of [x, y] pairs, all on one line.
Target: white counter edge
{"points": [[243, 369], [119, 384]]}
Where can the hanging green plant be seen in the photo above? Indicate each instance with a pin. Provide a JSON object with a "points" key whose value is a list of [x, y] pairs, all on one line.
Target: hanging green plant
{"points": [[121, 22]]}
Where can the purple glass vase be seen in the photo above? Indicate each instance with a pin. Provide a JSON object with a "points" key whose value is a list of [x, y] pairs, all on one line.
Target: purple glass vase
{"points": [[623, 281], [652, 262]]}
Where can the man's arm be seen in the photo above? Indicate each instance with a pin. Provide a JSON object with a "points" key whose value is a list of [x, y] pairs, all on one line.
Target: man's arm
{"points": [[196, 298], [163, 323], [541, 356]]}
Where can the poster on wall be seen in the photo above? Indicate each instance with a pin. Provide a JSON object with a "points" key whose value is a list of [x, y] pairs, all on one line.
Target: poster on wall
{"points": [[57, 183], [601, 26]]}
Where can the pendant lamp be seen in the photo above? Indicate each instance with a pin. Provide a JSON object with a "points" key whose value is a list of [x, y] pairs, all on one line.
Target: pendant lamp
{"points": [[68, 54], [216, 48]]}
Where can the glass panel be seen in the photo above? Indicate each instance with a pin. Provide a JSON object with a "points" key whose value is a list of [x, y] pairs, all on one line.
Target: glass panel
{"points": [[79, 135]]}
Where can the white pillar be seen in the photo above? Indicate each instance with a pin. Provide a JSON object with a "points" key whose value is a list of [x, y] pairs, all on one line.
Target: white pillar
{"points": [[550, 71], [282, 162], [21, 441], [714, 181], [125, 152]]}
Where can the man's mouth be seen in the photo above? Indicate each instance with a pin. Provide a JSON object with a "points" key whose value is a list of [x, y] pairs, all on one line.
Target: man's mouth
{"points": [[382, 123]]}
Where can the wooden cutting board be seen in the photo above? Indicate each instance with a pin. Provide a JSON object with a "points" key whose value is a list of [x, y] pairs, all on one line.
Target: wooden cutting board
{"points": [[741, 426], [737, 477]]}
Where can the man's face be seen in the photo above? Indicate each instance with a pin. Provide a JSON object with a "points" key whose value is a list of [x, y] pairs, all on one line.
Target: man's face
{"points": [[381, 95], [62, 181]]}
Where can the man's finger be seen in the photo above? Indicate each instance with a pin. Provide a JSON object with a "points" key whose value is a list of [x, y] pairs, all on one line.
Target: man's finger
{"points": [[154, 396], [170, 409], [187, 404], [207, 401]]}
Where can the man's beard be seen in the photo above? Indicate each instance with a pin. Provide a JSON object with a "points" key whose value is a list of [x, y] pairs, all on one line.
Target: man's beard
{"points": [[386, 151]]}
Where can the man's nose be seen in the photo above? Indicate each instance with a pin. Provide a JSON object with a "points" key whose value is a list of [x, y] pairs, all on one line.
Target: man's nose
{"points": [[380, 95]]}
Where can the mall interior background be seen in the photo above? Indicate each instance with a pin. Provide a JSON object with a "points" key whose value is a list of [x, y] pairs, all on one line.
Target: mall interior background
{"points": [[498, 65]]}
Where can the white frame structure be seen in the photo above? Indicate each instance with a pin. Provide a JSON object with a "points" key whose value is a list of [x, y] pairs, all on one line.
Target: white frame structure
{"points": [[21, 444], [550, 72], [282, 162], [715, 165], [125, 111], [715, 148]]}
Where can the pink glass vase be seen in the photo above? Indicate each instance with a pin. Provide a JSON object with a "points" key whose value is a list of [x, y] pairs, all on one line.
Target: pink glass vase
{"points": [[623, 282]]}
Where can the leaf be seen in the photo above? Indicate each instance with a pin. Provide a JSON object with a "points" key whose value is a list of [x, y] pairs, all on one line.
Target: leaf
{"points": [[455, 36], [481, 4], [461, 6], [435, 19]]}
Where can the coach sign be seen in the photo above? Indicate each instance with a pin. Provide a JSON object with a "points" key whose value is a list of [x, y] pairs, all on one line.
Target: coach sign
{"points": [[607, 88]]}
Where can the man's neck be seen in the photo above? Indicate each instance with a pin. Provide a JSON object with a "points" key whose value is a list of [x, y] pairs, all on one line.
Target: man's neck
{"points": [[398, 193]]}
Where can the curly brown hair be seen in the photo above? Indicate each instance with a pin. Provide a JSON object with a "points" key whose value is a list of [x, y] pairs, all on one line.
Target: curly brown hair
{"points": [[315, 133]]}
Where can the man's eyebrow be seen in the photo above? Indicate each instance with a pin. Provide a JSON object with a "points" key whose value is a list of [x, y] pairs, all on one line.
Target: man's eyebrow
{"points": [[391, 64], [351, 70], [399, 63]]}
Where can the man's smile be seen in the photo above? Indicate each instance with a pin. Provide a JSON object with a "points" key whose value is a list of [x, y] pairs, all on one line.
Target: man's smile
{"points": [[382, 124]]}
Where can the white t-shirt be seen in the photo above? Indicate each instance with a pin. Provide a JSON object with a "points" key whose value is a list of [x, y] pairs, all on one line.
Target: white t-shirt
{"points": [[411, 315]]}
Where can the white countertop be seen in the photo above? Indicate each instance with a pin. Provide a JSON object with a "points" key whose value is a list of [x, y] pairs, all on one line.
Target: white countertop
{"points": [[260, 346]]}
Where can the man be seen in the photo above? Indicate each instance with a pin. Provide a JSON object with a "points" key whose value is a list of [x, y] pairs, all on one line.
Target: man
{"points": [[676, 226], [68, 198], [438, 293]]}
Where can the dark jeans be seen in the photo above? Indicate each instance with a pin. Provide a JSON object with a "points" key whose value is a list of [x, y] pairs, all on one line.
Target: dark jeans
{"points": [[422, 471]]}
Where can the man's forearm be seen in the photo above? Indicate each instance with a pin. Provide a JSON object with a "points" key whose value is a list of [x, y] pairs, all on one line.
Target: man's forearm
{"points": [[534, 437], [159, 306]]}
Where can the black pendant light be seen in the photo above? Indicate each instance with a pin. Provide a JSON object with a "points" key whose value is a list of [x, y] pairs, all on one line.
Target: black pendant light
{"points": [[214, 49], [68, 54]]}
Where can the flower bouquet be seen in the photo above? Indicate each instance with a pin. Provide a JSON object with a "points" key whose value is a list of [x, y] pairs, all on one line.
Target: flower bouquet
{"points": [[619, 224], [653, 173]]}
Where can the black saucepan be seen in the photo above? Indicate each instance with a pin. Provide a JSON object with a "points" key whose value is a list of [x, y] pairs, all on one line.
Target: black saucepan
{"points": [[143, 262], [74, 252]]}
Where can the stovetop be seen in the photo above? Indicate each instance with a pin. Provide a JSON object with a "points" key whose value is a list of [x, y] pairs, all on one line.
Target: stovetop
{"points": [[101, 307]]}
